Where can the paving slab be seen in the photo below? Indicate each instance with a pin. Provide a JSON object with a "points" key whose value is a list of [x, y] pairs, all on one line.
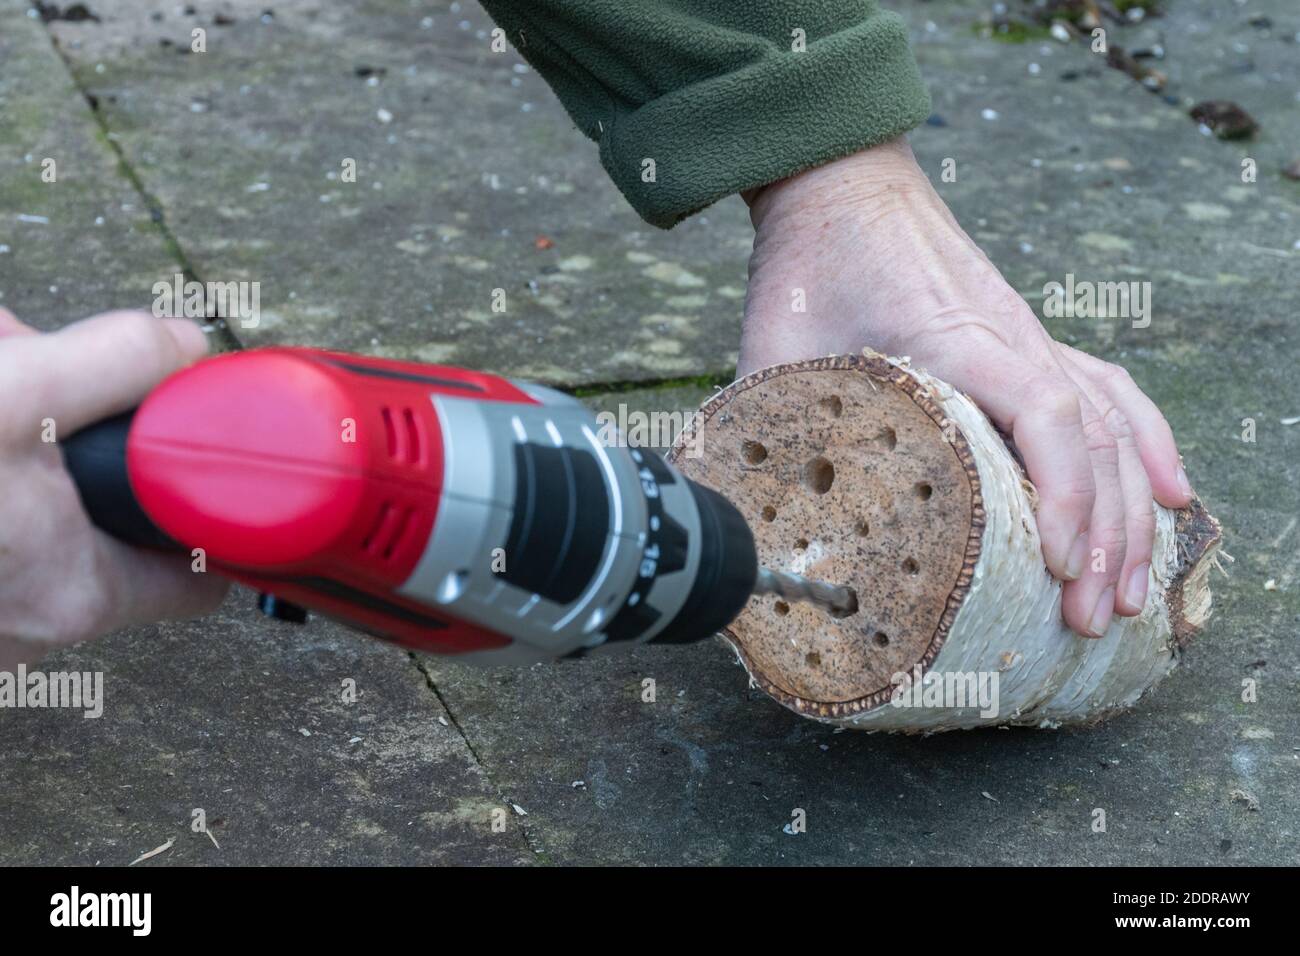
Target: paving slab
{"points": [[1065, 166], [300, 745], [470, 178], [709, 770], [85, 242], [241, 718]]}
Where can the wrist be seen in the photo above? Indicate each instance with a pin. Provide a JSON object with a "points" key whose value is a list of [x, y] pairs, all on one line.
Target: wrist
{"points": [[881, 178]]}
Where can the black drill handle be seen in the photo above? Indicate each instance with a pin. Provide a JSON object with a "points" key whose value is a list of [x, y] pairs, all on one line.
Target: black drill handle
{"points": [[95, 457]]}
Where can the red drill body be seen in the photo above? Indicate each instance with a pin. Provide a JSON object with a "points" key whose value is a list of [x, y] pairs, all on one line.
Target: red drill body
{"points": [[446, 510]]}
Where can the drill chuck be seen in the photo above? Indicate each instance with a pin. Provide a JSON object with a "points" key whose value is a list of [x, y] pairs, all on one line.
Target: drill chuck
{"points": [[727, 571]]}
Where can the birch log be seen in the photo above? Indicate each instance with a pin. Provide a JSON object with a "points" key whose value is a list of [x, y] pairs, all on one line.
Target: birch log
{"points": [[862, 471]]}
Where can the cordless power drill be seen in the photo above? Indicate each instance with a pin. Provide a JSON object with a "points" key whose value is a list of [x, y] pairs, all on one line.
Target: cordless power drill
{"points": [[445, 510]]}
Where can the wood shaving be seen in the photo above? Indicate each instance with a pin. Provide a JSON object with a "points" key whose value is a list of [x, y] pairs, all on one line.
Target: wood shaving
{"points": [[154, 852]]}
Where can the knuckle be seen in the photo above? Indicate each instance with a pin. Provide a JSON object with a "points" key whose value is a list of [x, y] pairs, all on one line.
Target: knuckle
{"points": [[1118, 426], [1118, 376], [76, 619], [17, 380], [144, 336], [142, 329], [1100, 442], [1141, 520], [27, 395], [1058, 401], [1111, 539], [1078, 492], [1073, 496]]}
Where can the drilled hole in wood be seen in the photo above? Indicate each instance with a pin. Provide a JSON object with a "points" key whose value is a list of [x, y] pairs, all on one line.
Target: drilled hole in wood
{"points": [[910, 566], [754, 452], [851, 609], [923, 491], [781, 608], [880, 639], [769, 513], [819, 474], [831, 407]]}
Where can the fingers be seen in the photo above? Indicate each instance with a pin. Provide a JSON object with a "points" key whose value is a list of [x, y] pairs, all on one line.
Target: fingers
{"points": [[1154, 441], [1153, 436], [1134, 487], [1074, 462], [10, 325], [1139, 517], [78, 375], [100, 366], [1048, 431], [1043, 415], [1019, 383], [147, 586], [1088, 603], [1095, 447]]}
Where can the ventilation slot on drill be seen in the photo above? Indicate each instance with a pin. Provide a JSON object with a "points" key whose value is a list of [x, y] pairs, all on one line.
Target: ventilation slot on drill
{"points": [[414, 444], [390, 431], [403, 435], [387, 532]]}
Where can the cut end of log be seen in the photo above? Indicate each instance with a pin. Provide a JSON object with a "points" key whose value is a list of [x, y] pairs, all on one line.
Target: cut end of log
{"points": [[848, 472]]}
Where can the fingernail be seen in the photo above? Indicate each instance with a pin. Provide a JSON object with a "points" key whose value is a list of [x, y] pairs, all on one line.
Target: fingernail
{"points": [[1183, 484], [1135, 591], [1102, 612], [187, 334], [1078, 556]]}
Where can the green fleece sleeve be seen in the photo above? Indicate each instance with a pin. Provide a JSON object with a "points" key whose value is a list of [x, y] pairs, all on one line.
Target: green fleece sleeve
{"points": [[693, 100]]}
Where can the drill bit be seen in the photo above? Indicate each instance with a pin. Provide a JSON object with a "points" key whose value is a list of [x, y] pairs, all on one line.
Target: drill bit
{"points": [[839, 601]]}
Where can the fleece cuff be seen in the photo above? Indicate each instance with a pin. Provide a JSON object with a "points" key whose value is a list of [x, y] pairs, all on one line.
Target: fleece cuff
{"points": [[787, 112]]}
